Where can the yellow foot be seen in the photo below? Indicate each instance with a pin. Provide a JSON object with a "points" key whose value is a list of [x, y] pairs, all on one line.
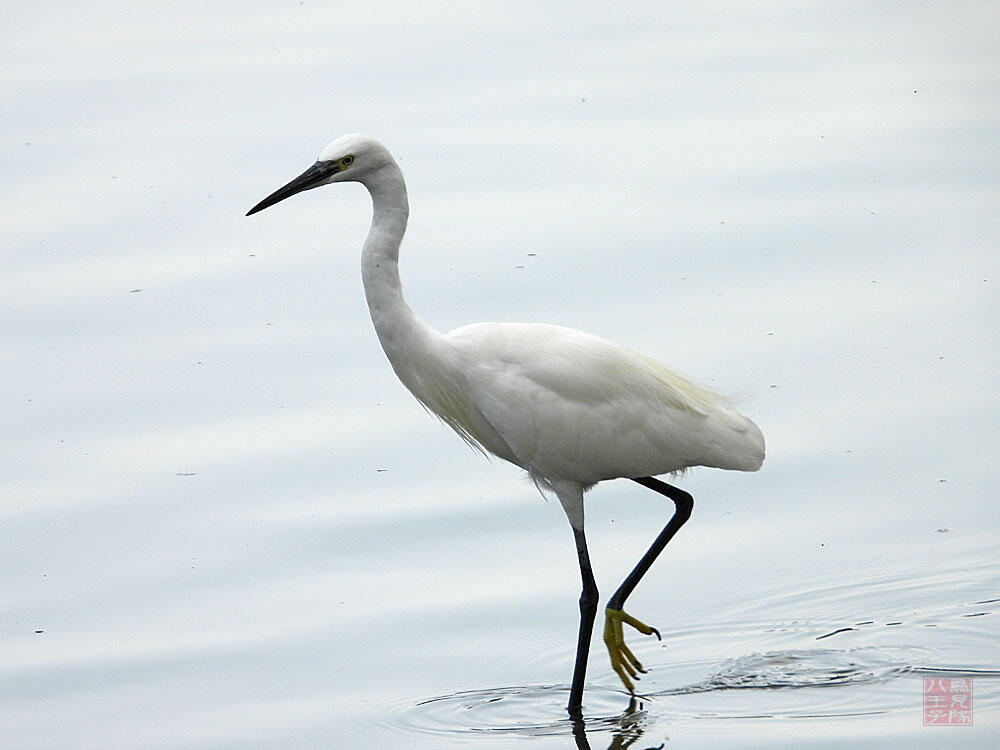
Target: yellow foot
{"points": [[622, 659]]}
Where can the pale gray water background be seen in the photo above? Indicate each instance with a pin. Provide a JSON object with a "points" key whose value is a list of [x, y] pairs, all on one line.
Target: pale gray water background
{"points": [[224, 524]]}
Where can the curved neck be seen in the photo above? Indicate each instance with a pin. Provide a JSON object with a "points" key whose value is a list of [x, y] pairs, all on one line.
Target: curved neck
{"points": [[390, 211], [402, 334]]}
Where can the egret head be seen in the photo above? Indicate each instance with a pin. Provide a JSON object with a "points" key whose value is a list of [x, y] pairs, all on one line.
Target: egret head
{"points": [[350, 158]]}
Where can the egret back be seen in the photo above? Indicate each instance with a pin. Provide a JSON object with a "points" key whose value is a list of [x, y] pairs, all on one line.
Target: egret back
{"points": [[571, 405]]}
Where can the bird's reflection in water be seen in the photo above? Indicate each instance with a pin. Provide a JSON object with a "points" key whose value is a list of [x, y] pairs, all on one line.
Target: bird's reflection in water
{"points": [[630, 729], [534, 711]]}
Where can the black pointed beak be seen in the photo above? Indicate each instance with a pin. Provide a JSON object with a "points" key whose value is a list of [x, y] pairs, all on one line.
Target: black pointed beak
{"points": [[315, 176]]}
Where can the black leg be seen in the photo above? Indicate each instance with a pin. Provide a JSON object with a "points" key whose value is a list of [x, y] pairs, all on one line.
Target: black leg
{"points": [[588, 611], [683, 503], [623, 661]]}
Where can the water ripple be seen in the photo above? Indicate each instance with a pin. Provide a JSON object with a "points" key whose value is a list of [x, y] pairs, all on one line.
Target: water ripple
{"points": [[529, 710], [539, 710], [804, 668]]}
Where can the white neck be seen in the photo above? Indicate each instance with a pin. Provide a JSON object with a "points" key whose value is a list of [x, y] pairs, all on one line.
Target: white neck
{"points": [[404, 336], [424, 360]]}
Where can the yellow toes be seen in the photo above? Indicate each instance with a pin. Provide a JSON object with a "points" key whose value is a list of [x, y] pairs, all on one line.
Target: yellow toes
{"points": [[623, 661]]}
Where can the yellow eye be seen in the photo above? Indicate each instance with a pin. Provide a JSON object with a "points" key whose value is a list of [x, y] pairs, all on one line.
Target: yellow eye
{"points": [[347, 161]]}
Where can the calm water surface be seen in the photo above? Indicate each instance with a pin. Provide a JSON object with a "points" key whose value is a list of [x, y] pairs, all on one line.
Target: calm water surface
{"points": [[224, 524]]}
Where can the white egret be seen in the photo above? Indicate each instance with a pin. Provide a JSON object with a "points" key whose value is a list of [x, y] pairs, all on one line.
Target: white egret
{"points": [[570, 408]]}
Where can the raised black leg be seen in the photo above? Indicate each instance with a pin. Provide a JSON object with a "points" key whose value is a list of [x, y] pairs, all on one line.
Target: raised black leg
{"points": [[683, 503], [588, 611], [623, 661]]}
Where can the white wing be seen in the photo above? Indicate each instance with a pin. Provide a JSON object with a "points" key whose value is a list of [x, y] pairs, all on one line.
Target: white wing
{"points": [[566, 404]]}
